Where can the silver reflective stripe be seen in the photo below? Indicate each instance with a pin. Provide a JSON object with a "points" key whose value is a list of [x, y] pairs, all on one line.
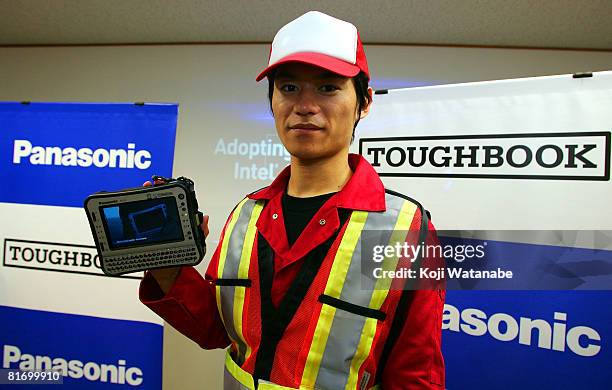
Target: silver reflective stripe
{"points": [[231, 383], [267, 385], [347, 327], [230, 271], [234, 377]]}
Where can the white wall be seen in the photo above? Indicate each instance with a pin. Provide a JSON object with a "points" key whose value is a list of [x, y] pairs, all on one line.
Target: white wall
{"points": [[219, 99]]}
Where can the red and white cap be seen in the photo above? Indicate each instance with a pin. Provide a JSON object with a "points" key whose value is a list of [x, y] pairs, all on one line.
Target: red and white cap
{"points": [[321, 40]]}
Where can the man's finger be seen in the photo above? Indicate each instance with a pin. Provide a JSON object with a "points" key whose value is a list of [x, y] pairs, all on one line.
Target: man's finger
{"points": [[204, 226]]}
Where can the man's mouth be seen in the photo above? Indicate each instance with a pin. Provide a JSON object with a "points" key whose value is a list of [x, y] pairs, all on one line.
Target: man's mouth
{"points": [[305, 127]]}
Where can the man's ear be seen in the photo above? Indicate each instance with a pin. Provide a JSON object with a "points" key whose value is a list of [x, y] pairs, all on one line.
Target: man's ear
{"points": [[366, 110]]}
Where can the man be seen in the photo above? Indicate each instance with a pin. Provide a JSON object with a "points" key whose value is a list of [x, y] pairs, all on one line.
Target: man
{"points": [[283, 288]]}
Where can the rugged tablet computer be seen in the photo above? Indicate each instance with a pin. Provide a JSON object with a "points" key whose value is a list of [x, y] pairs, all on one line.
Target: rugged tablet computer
{"points": [[147, 227]]}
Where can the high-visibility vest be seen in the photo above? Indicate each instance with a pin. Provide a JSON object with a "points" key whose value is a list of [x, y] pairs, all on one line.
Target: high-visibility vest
{"points": [[340, 325]]}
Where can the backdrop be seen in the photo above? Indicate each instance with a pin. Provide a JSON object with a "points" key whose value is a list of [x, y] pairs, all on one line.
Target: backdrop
{"points": [[525, 162], [220, 100], [57, 309]]}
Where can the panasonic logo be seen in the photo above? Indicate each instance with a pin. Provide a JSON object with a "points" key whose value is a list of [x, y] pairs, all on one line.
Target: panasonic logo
{"points": [[12, 357], [581, 340], [23, 150], [559, 156]]}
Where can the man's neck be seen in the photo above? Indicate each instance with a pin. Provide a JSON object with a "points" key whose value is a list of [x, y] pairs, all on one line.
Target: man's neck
{"points": [[312, 178]]}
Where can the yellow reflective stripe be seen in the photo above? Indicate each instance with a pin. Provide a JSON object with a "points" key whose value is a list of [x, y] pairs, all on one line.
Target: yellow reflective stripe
{"points": [[319, 340], [263, 385], [343, 257], [333, 288], [363, 350], [246, 379], [243, 273], [238, 373], [223, 252], [402, 225]]}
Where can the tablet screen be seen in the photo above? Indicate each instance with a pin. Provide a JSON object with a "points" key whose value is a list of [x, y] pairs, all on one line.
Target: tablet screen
{"points": [[145, 222]]}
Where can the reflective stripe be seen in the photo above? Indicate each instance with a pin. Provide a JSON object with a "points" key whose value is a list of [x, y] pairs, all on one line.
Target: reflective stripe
{"points": [[333, 288], [347, 337], [381, 290], [223, 253], [243, 273], [235, 378], [263, 385], [234, 260], [347, 327]]}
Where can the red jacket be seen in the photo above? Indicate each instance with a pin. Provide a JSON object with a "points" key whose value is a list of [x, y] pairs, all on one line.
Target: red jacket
{"points": [[190, 306]]}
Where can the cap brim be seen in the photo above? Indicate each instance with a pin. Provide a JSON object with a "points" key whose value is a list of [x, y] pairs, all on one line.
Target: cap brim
{"points": [[324, 61]]}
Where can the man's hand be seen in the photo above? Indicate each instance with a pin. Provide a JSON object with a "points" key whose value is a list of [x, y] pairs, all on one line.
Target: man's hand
{"points": [[165, 277]]}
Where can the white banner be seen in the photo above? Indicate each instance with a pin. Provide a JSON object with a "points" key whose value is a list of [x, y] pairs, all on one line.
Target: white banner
{"points": [[471, 151], [527, 155]]}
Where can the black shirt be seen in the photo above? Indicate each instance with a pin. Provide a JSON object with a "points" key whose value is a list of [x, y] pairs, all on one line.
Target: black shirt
{"points": [[298, 212]]}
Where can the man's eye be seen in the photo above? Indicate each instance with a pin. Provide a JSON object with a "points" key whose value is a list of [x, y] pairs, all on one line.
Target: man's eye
{"points": [[288, 88], [328, 88]]}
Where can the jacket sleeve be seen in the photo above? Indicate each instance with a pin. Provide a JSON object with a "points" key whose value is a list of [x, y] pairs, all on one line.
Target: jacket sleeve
{"points": [[190, 305], [416, 361]]}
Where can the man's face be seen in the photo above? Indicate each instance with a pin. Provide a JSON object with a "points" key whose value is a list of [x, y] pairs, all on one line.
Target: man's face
{"points": [[314, 111]]}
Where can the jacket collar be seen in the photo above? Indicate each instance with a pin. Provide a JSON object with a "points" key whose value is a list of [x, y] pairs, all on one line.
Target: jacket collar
{"points": [[364, 190]]}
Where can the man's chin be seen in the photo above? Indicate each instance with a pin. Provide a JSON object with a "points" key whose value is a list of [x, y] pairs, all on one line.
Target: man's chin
{"points": [[311, 155]]}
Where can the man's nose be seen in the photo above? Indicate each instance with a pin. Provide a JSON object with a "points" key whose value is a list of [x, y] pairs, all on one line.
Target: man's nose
{"points": [[306, 103]]}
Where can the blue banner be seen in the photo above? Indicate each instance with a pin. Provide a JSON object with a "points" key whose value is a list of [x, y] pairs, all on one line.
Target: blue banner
{"points": [[506, 265], [90, 352], [56, 154], [59, 153], [527, 340]]}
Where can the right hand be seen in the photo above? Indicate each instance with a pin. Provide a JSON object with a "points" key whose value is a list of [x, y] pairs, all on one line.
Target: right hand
{"points": [[165, 277]]}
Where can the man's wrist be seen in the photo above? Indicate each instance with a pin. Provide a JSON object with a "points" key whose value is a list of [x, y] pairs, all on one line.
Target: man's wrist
{"points": [[165, 277]]}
